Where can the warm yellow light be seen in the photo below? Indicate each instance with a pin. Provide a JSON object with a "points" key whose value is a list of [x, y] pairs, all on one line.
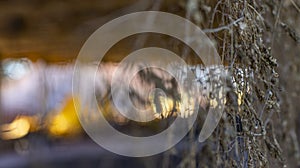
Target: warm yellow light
{"points": [[186, 106], [19, 128], [59, 125], [218, 101], [65, 122], [240, 98], [162, 107]]}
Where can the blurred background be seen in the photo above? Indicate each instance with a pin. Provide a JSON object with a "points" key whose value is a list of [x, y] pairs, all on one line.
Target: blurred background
{"points": [[47, 35], [39, 130]]}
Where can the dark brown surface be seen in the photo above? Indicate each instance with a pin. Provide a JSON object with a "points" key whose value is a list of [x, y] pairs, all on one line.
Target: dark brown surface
{"points": [[56, 30]]}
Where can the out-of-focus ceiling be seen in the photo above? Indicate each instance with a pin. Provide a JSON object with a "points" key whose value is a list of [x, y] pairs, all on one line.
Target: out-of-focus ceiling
{"points": [[56, 30]]}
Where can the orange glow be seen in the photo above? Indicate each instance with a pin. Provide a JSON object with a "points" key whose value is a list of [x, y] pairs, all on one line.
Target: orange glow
{"points": [[19, 128], [65, 122]]}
